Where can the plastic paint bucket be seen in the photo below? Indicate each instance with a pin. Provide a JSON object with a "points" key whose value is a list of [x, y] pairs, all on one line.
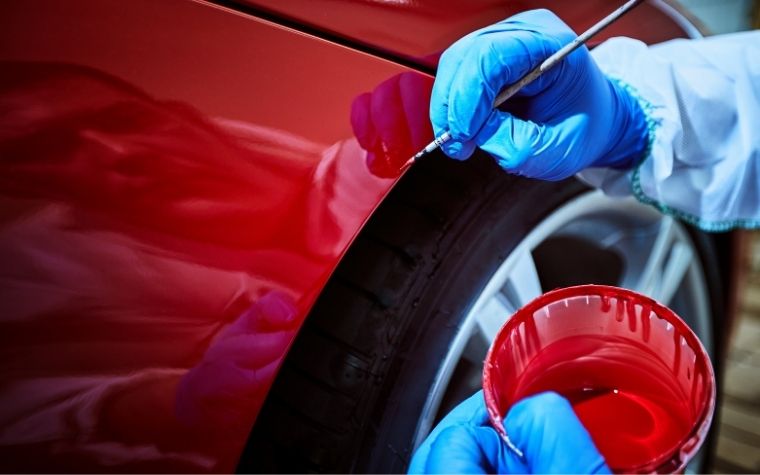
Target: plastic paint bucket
{"points": [[636, 375]]}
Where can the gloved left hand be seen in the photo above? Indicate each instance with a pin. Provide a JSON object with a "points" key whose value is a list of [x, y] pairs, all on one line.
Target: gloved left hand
{"points": [[543, 426]]}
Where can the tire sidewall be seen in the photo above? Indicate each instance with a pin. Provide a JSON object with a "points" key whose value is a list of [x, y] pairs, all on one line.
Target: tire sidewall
{"points": [[475, 250]]}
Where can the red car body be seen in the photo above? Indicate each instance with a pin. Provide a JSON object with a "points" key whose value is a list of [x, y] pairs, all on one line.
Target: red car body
{"points": [[179, 179]]}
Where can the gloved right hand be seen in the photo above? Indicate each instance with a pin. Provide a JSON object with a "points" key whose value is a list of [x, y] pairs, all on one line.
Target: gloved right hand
{"points": [[570, 118]]}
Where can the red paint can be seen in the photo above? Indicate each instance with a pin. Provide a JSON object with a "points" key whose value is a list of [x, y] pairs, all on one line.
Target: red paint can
{"points": [[637, 376]]}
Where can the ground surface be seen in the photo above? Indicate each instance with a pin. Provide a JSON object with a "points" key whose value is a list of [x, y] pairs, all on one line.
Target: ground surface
{"points": [[738, 449]]}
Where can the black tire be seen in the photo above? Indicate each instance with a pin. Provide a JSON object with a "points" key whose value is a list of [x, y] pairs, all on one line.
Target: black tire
{"points": [[350, 392]]}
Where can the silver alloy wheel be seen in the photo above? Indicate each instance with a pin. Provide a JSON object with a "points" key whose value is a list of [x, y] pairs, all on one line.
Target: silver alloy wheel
{"points": [[652, 254]]}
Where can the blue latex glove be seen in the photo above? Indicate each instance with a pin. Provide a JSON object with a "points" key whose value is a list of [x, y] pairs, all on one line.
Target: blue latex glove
{"points": [[543, 426], [570, 118]]}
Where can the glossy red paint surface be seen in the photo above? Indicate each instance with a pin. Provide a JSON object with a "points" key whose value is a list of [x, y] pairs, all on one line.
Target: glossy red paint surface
{"points": [[177, 182], [420, 29]]}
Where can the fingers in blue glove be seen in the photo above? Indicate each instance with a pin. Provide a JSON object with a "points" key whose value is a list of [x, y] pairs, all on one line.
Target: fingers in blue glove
{"points": [[476, 68], [465, 442], [524, 147], [471, 449], [544, 427], [552, 437]]}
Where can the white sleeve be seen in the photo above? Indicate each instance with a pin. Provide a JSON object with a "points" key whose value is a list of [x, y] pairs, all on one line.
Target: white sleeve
{"points": [[702, 100]]}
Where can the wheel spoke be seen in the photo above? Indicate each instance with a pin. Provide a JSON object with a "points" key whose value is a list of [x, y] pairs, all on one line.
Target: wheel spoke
{"points": [[651, 276], [523, 284], [678, 264], [493, 315], [666, 265]]}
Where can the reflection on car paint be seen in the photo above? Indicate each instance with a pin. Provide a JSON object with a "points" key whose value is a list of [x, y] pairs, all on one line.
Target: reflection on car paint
{"points": [[156, 266], [391, 122]]}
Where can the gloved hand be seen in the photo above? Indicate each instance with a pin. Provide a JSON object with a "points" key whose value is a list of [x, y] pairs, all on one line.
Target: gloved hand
{"points": [[543, 426], [570, 118]]}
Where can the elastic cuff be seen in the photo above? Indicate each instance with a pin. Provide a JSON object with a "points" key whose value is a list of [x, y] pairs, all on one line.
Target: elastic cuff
{"points": [[697, 222]]}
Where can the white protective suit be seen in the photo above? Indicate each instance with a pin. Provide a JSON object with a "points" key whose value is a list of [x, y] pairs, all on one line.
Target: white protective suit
{"points": [[702, 98]]}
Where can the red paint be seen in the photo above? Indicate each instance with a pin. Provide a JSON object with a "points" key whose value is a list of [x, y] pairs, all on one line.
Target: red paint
{"points": [[622, 392], [420, 29], [178, 180], [637, 377]]}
